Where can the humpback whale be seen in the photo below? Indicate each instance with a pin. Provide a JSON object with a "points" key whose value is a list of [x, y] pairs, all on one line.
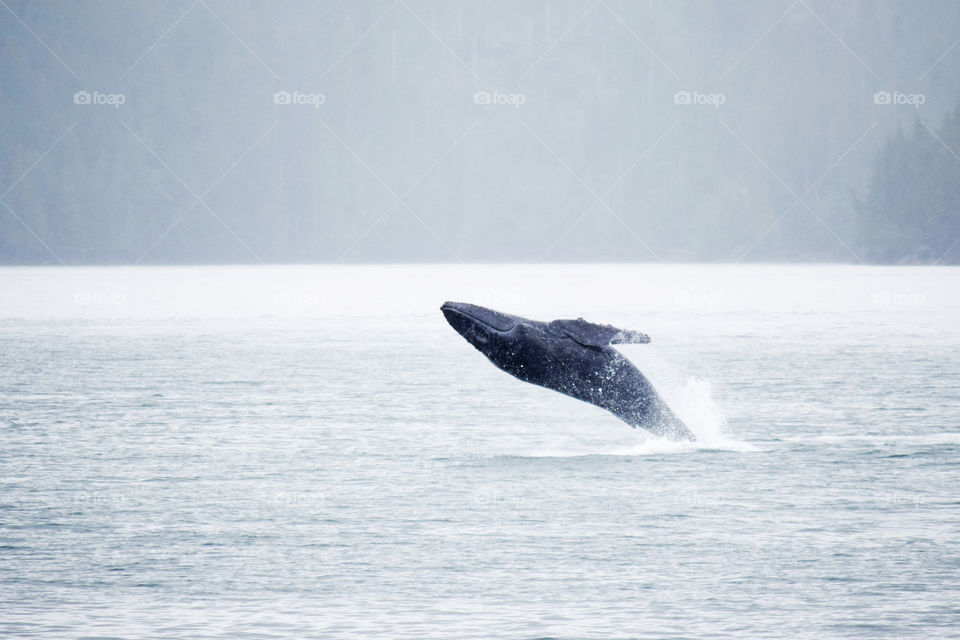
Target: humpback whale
{"points": [[573, 357]]}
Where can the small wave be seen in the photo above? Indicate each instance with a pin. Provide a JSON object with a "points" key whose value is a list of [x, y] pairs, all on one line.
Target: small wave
{"points": [[874, 438]]}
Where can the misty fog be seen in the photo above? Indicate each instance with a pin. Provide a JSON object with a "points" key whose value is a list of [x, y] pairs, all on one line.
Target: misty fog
{"points": [[387, 131]]}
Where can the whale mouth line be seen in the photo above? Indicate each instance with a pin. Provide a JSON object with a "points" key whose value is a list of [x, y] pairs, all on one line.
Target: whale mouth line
{"points": [[475, 318]]}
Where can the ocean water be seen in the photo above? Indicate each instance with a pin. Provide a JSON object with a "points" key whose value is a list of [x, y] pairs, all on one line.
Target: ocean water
{"points": [[310, 451]]}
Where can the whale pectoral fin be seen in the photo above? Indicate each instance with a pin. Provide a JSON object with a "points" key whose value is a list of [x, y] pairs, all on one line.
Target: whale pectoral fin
{"points": [[597, 335]]}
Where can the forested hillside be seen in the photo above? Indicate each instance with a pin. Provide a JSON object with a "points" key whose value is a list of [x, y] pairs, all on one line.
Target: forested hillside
{"points": [[912, 210]]}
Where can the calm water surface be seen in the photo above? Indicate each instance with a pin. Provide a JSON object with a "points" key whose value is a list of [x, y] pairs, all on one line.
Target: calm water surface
{"points": [[274, 452]]}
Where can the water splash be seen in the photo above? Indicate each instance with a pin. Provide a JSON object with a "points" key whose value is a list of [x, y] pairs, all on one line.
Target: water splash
{"points": [[693, 402]]}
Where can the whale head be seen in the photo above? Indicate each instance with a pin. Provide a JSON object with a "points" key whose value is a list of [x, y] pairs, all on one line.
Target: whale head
{"points": [[484, 328], [512, 343]]}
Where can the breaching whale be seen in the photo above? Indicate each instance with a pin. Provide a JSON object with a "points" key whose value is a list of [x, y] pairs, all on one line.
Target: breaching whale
{"points": [[573, 357]]}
